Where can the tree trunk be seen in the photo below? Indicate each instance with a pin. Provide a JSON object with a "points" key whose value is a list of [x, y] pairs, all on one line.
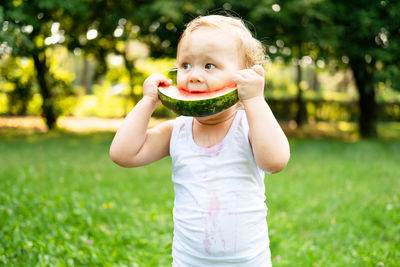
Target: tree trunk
{"points": [[367, 102], [86, 78], [42, 72], [301, 109], [130, 67], [315, 81]]}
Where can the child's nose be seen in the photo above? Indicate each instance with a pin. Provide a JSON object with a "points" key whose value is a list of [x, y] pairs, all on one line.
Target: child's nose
{"points": [[195, 76]]}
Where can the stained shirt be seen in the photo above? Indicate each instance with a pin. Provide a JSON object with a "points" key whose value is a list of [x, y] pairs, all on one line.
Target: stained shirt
{"points": [[219, 208]]}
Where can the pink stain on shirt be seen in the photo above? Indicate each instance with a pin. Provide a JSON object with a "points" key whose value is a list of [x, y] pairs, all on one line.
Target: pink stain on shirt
{"points": [[212, 233], [213, 150]]}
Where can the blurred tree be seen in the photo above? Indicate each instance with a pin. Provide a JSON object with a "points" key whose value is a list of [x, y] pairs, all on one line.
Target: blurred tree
{"points": [[367, 41], [289, 27], [29, 29], [360, 35], [110, 28], [19, 73], [162, 22], [365, 36]]}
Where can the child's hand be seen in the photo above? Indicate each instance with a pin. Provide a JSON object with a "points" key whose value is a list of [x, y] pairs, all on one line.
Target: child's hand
{"points": [[250, 82], [151, 85]]}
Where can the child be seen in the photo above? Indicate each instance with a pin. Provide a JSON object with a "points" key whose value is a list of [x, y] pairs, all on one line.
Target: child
{"points": [[218, 161]]}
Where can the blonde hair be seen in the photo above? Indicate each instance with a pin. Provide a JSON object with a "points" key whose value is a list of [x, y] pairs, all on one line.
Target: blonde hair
{"points": [[253, 50]]}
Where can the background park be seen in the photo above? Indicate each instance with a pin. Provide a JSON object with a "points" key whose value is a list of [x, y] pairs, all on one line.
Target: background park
{"points": [[71, 70]]}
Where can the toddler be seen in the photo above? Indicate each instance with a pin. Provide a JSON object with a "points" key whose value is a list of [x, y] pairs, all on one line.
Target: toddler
{"points": [[218, 161]]}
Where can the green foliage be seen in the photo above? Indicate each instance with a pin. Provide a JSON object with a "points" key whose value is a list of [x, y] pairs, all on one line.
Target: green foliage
{"points": [[69, 205], [17, 82], [367, 41], [111, 97]]}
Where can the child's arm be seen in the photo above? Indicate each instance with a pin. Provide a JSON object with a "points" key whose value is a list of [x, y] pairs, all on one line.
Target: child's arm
{"points": [[134, 145], [269, 143]]}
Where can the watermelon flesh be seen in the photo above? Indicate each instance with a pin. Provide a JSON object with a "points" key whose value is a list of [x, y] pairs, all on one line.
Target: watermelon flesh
{"points": [[197, 104]]}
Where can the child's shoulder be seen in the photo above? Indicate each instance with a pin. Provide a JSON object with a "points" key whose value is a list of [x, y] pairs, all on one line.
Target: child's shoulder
{"points": [[165, 126]]}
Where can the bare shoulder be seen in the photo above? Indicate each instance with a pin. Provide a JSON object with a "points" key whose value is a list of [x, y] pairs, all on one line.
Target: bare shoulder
{"points": [[160, 135], [156, 145], [164, 127]]}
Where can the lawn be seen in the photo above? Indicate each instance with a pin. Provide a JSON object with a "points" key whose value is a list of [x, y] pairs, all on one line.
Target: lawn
{"points": [[64, 203]]}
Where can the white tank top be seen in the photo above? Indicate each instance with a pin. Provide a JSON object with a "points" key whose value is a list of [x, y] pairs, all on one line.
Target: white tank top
{"points": [[219, 209]]}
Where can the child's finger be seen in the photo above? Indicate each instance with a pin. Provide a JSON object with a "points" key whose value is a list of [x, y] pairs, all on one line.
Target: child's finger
{"points": [[165, 83], [157, 80], [237, 78], [243, 74], [259, 70]]}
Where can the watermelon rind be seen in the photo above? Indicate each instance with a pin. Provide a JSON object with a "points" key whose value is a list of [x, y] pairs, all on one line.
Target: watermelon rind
{"points": [[198, 107]]}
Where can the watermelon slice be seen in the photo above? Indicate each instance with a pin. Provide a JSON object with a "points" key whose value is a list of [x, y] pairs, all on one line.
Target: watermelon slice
{"points": [[197, 104]]}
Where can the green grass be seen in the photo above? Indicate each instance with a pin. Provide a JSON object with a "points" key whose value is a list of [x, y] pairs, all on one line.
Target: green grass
{"points": [[64, 203]]}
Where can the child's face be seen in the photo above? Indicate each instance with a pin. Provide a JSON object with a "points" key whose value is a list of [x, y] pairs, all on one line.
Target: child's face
{"points": [[207, 59]]}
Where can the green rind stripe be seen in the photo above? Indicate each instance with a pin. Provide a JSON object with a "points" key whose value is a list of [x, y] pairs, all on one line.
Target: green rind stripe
{"points": [[200, 108]]}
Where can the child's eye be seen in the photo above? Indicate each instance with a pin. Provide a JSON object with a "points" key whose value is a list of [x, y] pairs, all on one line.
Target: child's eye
{"points": [[210, 66], [186, 66]]}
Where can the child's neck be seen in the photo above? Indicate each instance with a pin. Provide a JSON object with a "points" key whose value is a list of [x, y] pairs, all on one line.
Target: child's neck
{"points": [[212, 130]]}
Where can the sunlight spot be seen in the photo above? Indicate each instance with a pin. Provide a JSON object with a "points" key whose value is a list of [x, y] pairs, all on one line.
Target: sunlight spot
{"points": [[227, 6], [115, 60], [272, 49], [345, 126], [303, 85], [122, 21], [306, 60], [276, 7], [77, 51], [117, 89], [55, 27], [292, 124], [27, 29], [135, 29], [91, 34], [320, 63], [383, 37], [154, 26], [118, 32], [24, 61], [55, 38], [286, 51], [280, 43], [170, 26], [165, 43], [368, 58], [5, 26]]}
